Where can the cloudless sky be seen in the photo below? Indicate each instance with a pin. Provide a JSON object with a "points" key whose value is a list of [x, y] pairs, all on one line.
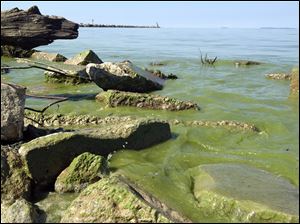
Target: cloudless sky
{"points": [[172, 14]]}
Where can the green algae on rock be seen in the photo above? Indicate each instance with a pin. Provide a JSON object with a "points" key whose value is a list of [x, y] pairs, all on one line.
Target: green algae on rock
{"points": [[84, 170], [109, 201], [14, 181], [249, 195], [114, 98], [46, 157], [84, 58], [245, 63]]}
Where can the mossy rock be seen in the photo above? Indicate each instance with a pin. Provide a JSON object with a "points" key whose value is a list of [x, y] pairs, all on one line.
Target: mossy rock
{"points": [[46, 157], [110, 201], [249, 195], [84, 58], [85, 169], [39, 55], [114, 98], [15, 183]]}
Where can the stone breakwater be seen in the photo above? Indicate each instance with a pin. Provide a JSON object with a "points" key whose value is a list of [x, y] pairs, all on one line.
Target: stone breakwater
{"points": [[49, 120]]}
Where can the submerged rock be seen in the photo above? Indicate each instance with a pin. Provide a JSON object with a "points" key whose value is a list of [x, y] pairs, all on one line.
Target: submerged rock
{"points": [[12, 112], [109, 201], [279, 76], [21, 211], [39, 55], [238, 63], [295, 81], [161, 75], [84, 170], [14, 181], [123, 76], [68, 74], [84, 58], [115, 98], [259, 197], [46, 157]]}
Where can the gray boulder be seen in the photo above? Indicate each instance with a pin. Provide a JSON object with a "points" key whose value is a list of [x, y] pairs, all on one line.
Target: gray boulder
{"points": [[12, 112], [85, 169], [46, 157], [123, 76], [84, 58], [21, 211]]}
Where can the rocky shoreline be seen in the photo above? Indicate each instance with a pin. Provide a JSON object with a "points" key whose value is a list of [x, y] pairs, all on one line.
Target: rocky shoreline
{"points": [[43, 152]]}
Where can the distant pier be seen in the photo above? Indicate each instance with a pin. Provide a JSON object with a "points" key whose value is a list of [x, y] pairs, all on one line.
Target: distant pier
{"points": [[115, 26]]}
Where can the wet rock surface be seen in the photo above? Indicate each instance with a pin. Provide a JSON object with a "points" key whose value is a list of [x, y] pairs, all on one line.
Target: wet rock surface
{"points": [[113, 98], [84, 170], [260, 197], [12, 112], [46, 157], [15, 183], [123, 76], [109, 201]]}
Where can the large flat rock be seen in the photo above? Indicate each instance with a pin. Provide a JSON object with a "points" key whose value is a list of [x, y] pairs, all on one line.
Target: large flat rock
{"points": [[238, 193], [46, 157]]}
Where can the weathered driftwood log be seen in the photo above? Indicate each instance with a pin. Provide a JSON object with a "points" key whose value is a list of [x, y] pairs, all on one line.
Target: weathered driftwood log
{"points": [[29, 29]]}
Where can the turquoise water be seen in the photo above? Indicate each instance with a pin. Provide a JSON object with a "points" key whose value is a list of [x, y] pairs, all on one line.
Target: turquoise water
{"points": [[222, 91]]}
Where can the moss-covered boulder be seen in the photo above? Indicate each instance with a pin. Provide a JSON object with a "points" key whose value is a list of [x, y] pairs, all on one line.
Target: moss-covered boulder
{"points": [[85, 169], [21, 211], [109, 201], [14, 181], [238, 193], [39, 55], [124, 76], [295, 81], [46, 157], [84, 58], [113, 98]]}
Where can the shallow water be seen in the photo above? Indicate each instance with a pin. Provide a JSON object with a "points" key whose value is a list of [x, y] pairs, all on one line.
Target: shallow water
{"points": [[223, 91]]}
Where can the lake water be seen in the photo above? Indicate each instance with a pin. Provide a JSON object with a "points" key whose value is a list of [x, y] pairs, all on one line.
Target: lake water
{"points": [[223, 91]]}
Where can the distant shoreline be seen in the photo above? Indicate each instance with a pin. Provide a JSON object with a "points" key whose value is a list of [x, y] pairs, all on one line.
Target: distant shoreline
{"points": [[115, 26]]}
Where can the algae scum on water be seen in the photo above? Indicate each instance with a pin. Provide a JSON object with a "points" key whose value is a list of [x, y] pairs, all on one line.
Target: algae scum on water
{"points": [[205, 173]]}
